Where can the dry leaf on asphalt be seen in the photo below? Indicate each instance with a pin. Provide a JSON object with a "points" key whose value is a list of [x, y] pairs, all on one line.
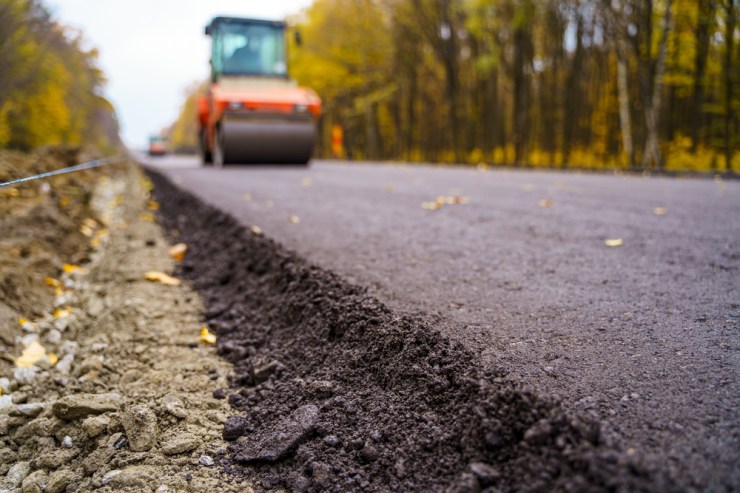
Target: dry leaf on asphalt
{"points": [[206, 337], [256, 230], [430, 206], [156, 276], [547, 203], [178, 251], [614, 242], [660, 211]]}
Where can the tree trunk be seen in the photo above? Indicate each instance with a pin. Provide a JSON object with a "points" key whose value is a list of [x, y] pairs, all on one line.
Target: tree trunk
{"points": [[696, 115], [730, 21], [652, 154], [625, 115]]}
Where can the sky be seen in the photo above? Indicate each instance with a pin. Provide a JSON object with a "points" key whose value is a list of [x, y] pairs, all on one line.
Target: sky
{"points": [[152, 50]]}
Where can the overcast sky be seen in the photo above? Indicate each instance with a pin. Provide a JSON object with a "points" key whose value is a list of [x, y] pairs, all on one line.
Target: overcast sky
{"points": [[151, 50]]}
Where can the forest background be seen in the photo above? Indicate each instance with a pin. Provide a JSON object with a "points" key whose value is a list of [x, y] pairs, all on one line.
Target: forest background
{"points": [[643, 84], [50, 84]]}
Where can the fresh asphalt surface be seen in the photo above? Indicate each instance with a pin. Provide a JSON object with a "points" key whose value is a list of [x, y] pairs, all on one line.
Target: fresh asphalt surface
{"points": [[643, 335]]}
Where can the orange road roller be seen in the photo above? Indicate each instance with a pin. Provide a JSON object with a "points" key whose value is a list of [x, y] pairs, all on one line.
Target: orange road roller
{"points": [[252, 111]]}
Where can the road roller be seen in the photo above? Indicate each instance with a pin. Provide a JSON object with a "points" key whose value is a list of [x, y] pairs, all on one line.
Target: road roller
{"points": [[252, 111]]}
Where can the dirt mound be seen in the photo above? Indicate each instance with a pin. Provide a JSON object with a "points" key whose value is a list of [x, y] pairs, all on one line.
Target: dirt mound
{"points": [[337, 393]]}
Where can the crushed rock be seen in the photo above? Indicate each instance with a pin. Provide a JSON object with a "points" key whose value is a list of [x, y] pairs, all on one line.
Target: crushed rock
{"points": [[129, 404]]}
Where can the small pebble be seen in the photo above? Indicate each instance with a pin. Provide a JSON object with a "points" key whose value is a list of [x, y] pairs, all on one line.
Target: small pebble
{"points": [[67, 442], [206, 460]]}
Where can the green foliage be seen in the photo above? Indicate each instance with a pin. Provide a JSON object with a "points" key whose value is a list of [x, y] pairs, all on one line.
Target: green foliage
{"points": [[49, 83]]}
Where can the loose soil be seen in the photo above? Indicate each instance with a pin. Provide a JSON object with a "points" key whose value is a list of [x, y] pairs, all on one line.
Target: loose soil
{"points": [[125, 403], [332, 391]]}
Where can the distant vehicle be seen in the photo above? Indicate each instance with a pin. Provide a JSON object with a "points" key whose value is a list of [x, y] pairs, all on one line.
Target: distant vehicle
{"points": [[253, 112], [157, 146]]}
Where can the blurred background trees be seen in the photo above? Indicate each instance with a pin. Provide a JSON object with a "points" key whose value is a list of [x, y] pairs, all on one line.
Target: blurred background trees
{"points": [[587, 83], [50, 85]]}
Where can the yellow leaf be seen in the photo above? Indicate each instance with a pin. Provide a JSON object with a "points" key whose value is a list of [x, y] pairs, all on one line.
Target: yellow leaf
{"points": [[22, 321], [70, 268], [64, 202], [547, 203], [294, 219], [53, 358], [147, 217], [206, 337], [50, 281], [178, 251], [30, 355], [90, 223], [152, 205], [161, 277], [660, 211], [614, 242], [430, 206], [256, 230], [14, 192], [62, 312]]}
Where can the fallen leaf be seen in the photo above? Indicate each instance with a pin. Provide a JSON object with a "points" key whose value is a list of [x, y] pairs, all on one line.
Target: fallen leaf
{"points": [[86, 230], [30, 355], [614, 242], [660, 211], [294, 219], [306, 182], [547, 203], [64, 202], [90, 223], [178, 251], [70, 268], [206, 337], [430, 206], [152, 205], [58, 289], [147, 217], [247, 197], [256, 230], [99, 235], [161, 277], [53, 358], [22, 321], [62, 312]]}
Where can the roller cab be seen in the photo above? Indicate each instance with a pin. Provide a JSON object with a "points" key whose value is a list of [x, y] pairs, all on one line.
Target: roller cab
{"points": [[253, 112]]}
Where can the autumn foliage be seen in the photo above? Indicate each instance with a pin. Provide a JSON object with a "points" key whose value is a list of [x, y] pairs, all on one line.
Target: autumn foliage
{"points": [[50, 84], [553, 83]]}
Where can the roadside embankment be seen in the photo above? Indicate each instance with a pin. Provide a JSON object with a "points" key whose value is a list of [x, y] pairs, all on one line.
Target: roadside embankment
{"points": [[105, 385]]}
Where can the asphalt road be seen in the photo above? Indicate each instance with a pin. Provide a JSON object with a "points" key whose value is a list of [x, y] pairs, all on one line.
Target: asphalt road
{"points": [[644, 335]]}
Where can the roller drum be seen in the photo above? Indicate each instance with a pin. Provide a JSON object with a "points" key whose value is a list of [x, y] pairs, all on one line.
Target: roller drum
{"points": [[259, 140]]}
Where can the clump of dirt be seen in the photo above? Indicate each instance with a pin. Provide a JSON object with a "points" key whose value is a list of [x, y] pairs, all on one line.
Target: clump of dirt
{"points": [[120, 399], [335, 392]]}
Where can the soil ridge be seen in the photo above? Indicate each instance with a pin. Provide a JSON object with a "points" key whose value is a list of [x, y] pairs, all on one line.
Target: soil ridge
{"points": [[400, 407]]}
